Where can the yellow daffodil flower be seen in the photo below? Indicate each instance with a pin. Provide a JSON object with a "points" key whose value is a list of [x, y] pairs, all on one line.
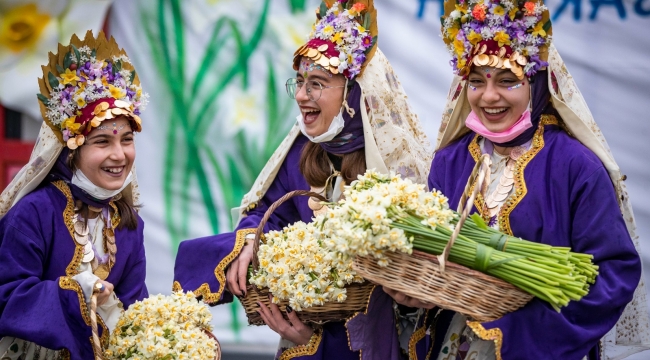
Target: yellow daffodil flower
{"points": [[499, 11], [538, 30], [337, 38], [71, 125], [502, 38], [474, 37], [69, 77], [116, 92]]}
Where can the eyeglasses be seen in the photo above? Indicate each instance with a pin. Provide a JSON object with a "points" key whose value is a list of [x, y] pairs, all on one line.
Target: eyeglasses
{"points": [[314, 88]]}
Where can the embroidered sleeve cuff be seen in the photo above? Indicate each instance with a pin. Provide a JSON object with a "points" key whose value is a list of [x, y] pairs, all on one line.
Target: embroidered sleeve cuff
{"points": [[301, 350], [493, 334]]}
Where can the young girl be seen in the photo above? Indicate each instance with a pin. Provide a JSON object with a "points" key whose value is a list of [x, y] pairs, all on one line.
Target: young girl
{"points": [[68, 221]]}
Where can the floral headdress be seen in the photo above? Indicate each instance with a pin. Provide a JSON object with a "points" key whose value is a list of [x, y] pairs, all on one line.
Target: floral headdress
{"points": [[506, 34], [86, 83], [343, 39]]}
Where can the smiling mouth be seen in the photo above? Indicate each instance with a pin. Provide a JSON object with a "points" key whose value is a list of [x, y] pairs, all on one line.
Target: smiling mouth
{"points": [[310, 115], [114, 170], [495, 111]]}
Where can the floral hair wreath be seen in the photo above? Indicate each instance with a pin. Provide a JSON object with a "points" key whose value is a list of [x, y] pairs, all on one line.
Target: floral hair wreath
{"points": [[343, 39], [86, 83], [506, 34]]}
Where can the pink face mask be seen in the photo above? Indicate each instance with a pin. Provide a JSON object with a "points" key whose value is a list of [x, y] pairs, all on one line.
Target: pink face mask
{"points": [[521, 125]]}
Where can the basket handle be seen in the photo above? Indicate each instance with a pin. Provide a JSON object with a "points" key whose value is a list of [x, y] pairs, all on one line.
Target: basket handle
{"points": [[479, 174], [269, 212], [97, 345]]}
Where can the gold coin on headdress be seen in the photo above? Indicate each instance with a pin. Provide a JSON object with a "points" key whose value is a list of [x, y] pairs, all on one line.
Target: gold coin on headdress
{"points": [[494, 60], [323, 47], [312, 53], [500, 63], [317, 56], [522, 60], [72, 143], [80, 228], [303, 51], [104, 106], [334, 70], [481, 60], [334, 61], [118, 111], [324, 61], [514, 56], [483, 49], [80, 139], [502, 52], [475, 50], [121, 104], [95, 122]]}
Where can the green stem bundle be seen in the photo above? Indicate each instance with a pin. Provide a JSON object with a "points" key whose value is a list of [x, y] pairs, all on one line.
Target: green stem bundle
{"points": [[553, 274]]}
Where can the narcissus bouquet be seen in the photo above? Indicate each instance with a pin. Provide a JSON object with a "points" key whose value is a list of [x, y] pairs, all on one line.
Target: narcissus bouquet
{"points": [[164, 327], [383, 213], [296, 265]]}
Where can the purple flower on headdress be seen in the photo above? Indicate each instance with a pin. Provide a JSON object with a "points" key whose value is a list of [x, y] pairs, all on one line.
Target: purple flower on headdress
{"points": [[136, 111]]}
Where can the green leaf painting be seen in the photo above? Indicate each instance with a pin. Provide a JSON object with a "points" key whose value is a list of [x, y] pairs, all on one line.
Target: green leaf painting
{"points": [[203, 168]]}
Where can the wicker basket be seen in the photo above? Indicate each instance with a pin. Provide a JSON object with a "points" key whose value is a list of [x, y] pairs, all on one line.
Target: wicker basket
{"points": [[451, 286], [357, 294]]}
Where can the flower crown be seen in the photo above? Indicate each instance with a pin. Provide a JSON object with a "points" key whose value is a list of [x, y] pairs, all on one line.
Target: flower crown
{"points": [[506, 34], [86, 83], [343, 39]]}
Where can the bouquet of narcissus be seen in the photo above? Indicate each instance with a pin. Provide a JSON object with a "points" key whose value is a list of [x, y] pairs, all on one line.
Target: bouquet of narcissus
{"points": [[386, 213], [164, 327], [296, 266]]}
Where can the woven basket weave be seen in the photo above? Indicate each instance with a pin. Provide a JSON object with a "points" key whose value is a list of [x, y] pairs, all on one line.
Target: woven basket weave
{"points": [[357, 294], [451, 286]]}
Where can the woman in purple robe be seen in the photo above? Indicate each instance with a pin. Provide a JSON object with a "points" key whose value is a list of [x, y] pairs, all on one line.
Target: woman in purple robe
{"points": [[553, 180], [354, 116], [68, 222]]}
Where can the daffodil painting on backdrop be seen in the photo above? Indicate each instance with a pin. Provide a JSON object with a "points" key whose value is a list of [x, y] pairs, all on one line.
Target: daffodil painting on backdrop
{"points": [[29, 29]]}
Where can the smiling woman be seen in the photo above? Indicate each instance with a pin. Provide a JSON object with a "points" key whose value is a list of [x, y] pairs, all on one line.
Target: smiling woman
{"points": [[68, 211], [354, 115]]}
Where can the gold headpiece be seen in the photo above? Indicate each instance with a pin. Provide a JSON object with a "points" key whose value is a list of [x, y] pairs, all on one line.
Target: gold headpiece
{"points": [[86, 83], [344, 38]]}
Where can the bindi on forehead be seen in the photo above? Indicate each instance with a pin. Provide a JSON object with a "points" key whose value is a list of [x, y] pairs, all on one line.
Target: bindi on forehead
{"points": [[307, 67]]}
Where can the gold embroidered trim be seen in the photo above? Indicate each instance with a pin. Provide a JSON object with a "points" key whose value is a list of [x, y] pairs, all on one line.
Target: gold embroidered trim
{"points": [[204, 290], [417, 335], [493, 334], [68, 219], [67, 283], [301, 350], [518, 174]]}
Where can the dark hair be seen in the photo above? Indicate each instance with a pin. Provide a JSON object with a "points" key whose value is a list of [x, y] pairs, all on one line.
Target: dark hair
{"points": [[125, 207], [315, 166]]}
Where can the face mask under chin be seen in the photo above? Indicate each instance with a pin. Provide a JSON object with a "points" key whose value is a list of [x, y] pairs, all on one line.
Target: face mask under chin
{"points": [[336, 126]]}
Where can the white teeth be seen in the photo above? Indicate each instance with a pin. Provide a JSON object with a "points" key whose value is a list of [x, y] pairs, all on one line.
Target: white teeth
{"points": [[309, 110], [494, 111], [114, 170]]}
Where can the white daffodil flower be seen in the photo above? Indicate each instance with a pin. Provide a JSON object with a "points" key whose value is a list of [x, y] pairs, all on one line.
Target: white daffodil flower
{"points": [[31, 29]]}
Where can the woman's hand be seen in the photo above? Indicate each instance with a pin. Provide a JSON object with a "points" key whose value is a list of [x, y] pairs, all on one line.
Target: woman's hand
{"points": [[238, 270], [293, 330], [406, 300], [103, 293]]}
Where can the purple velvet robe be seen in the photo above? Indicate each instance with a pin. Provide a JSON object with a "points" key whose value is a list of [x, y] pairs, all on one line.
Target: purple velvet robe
{"points": [[201, 263], [570, 201], [39, 301]]}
